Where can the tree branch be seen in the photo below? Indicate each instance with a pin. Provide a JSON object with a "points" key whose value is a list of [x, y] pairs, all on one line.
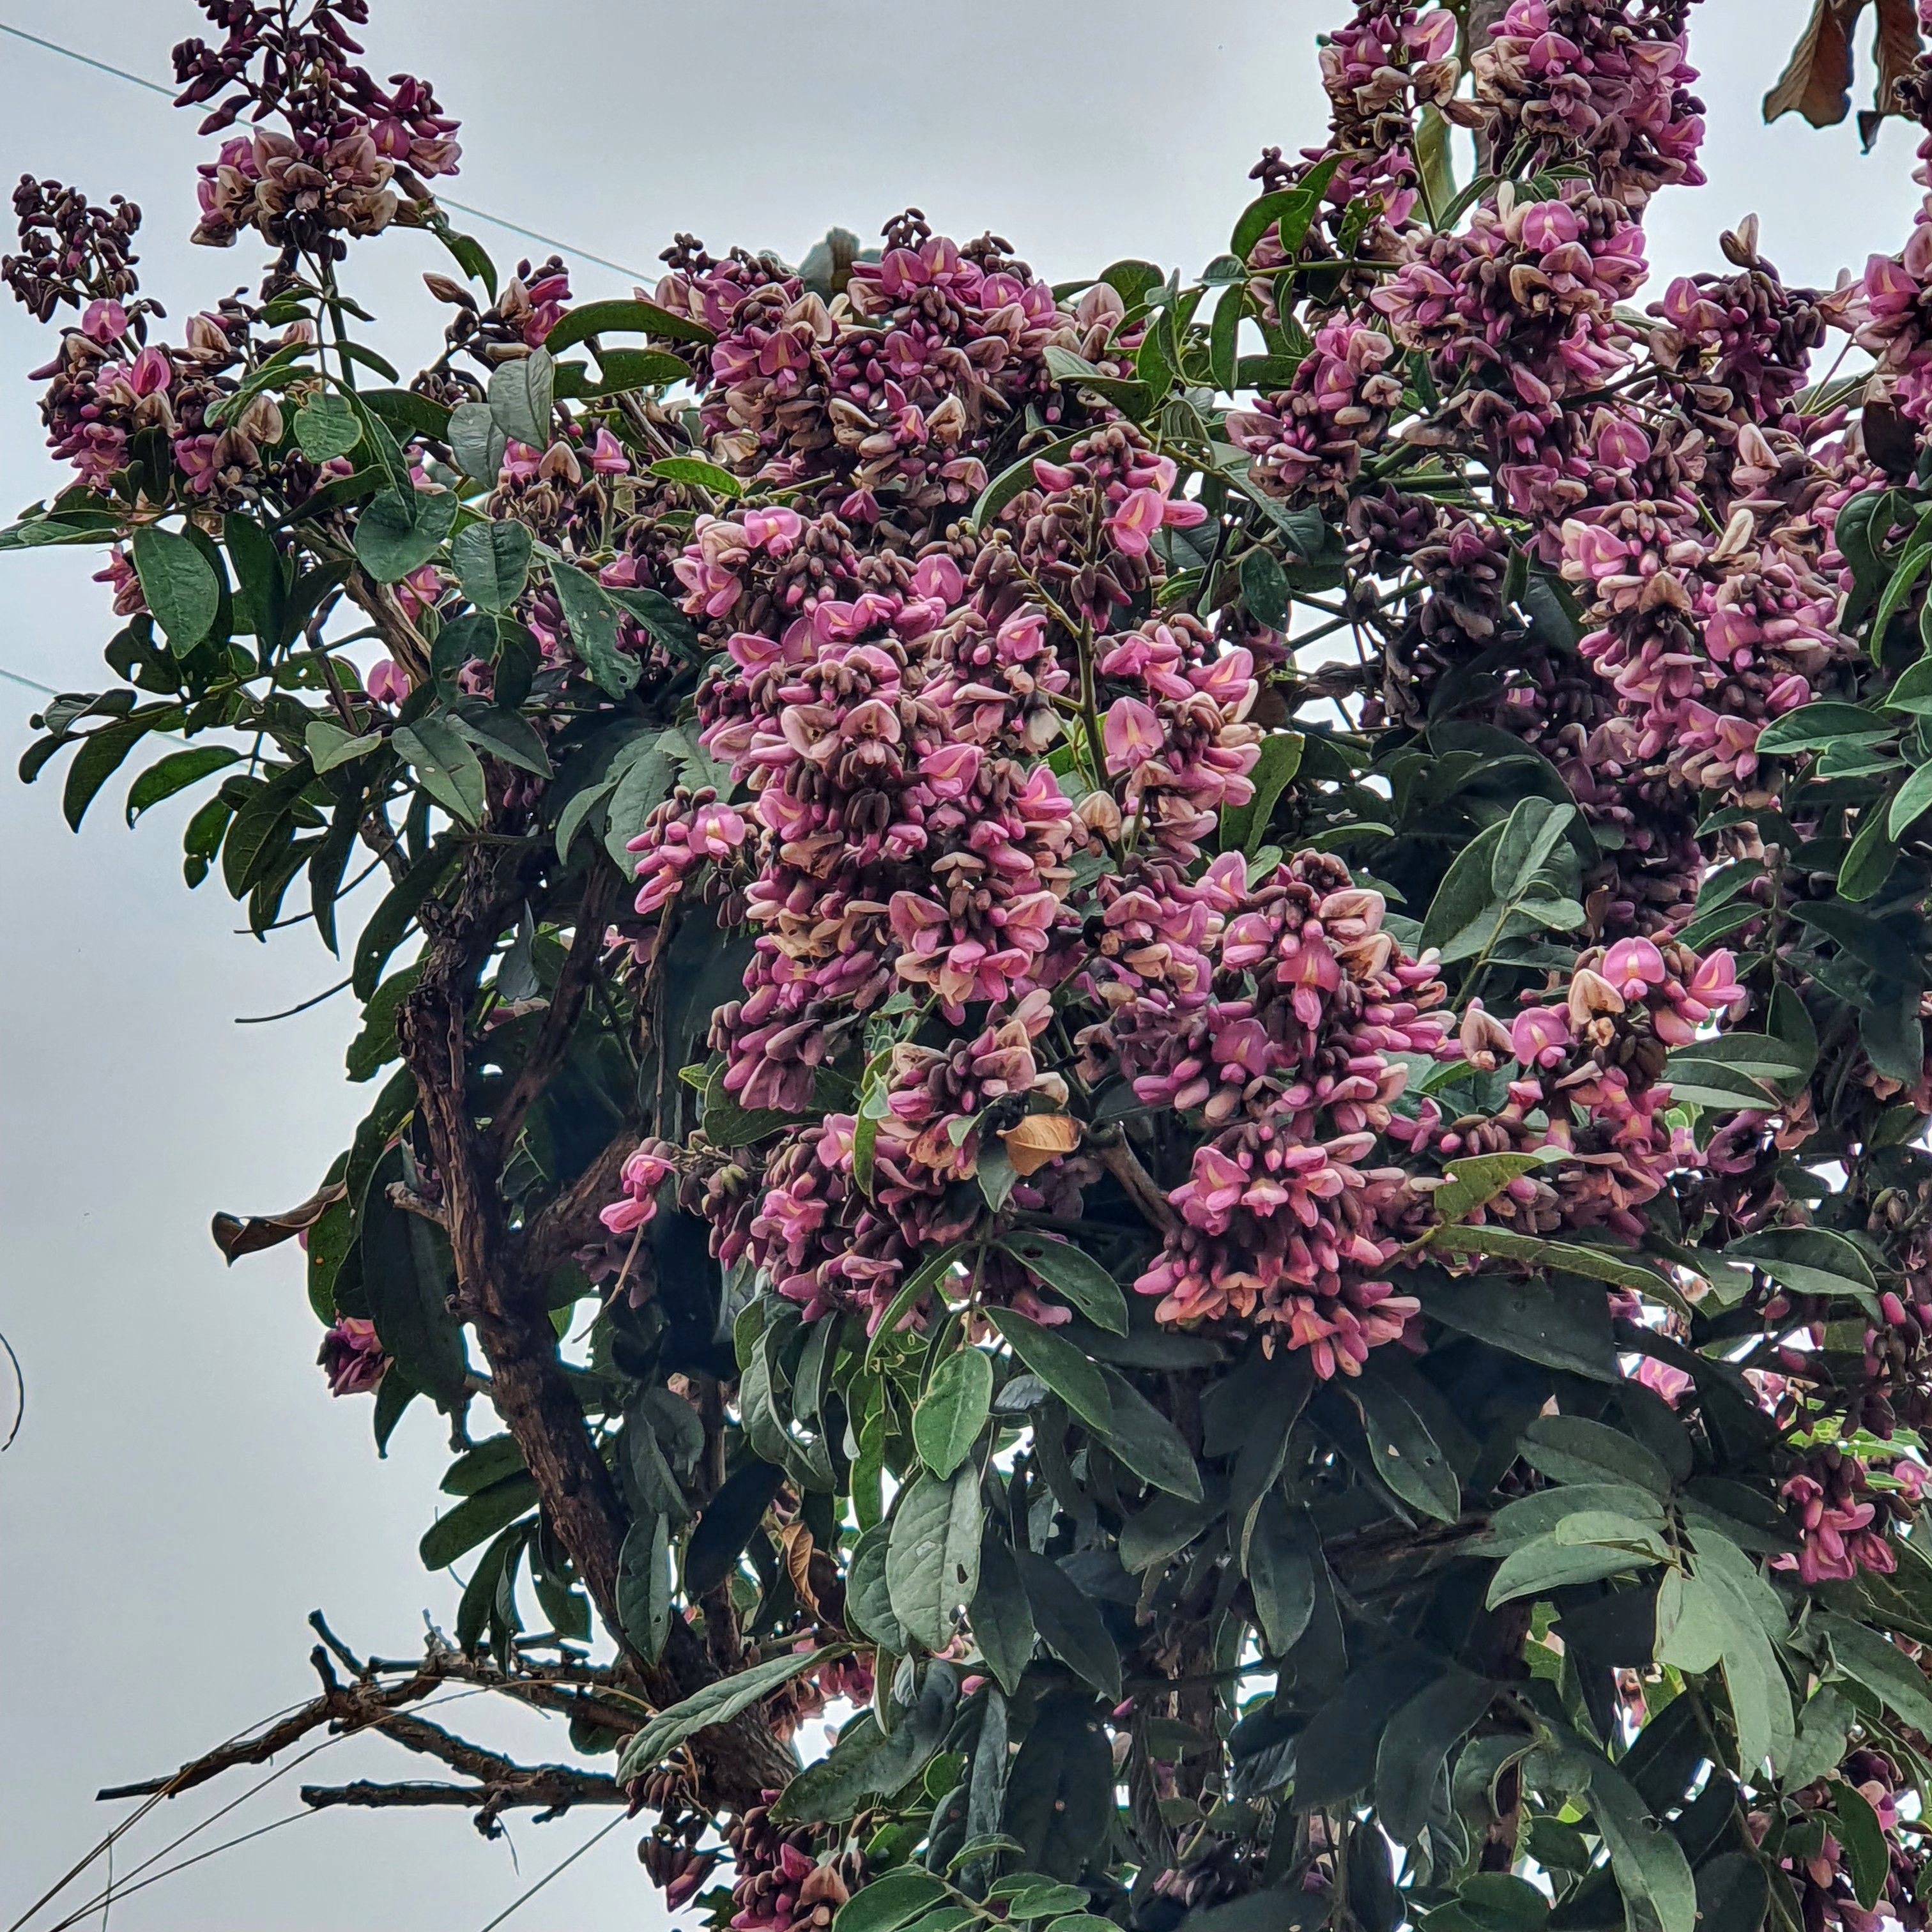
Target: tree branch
{"points": [[549, 1788]]}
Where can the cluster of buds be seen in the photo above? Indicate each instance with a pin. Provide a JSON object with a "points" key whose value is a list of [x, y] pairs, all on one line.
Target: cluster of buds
{"points": [[71, 251], [351, 1356], [783, 1884], [353, 152]]}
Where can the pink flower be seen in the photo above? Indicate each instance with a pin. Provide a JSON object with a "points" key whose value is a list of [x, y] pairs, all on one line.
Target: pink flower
{"points": [[1134, 522], [1540, 1036], [1633, 966], [104, 321], [386, 684], [352, 1357], [1132, 732], [606, 455]]}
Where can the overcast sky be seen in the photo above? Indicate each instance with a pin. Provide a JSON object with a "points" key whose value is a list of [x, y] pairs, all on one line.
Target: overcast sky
{"points": [[183, 1492]]}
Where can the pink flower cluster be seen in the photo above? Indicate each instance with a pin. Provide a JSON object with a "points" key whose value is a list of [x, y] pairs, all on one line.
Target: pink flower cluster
{"points": [[642, 1174], [1313, 436], [352, 1357]]}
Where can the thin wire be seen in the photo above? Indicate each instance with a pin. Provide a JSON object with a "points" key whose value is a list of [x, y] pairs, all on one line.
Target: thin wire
{"points": [[447, 201], [213, 1851], [517, 1904], [20, 1384]]}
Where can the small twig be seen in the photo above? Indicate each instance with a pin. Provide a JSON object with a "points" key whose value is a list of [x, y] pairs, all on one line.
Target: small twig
{"points": [[20, 1385], [1119, 1160], [405, 1197], [266, 1019]]}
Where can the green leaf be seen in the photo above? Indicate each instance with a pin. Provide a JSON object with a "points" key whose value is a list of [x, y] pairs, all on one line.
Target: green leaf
{"points": [[259, 572], [1281, 1573], [932, 1561], [953, 1410], [668, 625], [180, 585], [175, 772], [1910, 567], [1419, 1739], [1059, 1365], [1001, 1623], [1572, 1449], [1406, 1457], [1652, 1871], [623, 318], [1810, 1260], [1531, 835], [889, 1902], [492, 563], [1465, 892], [717, 1703], [475, 1519], [1289, 210], [1914, 799], [1046, 1901], [1244, 826], [504, 734], [645, 1584], [1812, 727], [1264, 585], [327, 427], [1476, 1181], [1885, 1670], [695, 472], [475, 1469], [450, 771], [1566, 1257], [592, 619], [329, 745], [390, 923], [1691, 1625], [1733, 1894], [868, 1607], [475, 442], [1863, 1837], [1067, 1619], [1073, 1274], [1019, 476], [395, 535], [1147, 1442], [1873, 853], [1548, 1564], [1529, 1320], [409, 1275], [1223, 350], [523, 398], [619, 369], [1060, 1793]]}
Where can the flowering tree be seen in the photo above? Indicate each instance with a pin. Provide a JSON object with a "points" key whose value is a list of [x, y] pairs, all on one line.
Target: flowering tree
{"points": [[1174, 1028]]}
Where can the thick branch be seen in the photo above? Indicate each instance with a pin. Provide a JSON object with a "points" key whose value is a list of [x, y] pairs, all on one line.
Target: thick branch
{"points": [[548, 1788], [559, 1229], [566, 1003], [1119, 1160]]}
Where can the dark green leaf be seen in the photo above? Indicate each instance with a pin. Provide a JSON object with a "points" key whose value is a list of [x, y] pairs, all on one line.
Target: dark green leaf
{"points": [[1147, 1442], [716, 1703], [1406, 1457], [1572, 1449], [1419, 1739], [1060, 1793], [523, 398], [591, 616], [397, 534], [475, 442], [476, 1519], [1059, 1364], [1067, 1618], [645, 1584], [1001, 1622], [1652, 1871], [953, 1410], [327, 427], [731, 1519], [492, 563], [180, 585], [1073, 1275], [450, 770], [695, 471], [1528, 1319], [622, 318], [932, 1560]]}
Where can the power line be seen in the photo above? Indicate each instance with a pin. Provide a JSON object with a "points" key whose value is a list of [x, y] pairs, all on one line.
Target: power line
{"points": [[447, 201]]}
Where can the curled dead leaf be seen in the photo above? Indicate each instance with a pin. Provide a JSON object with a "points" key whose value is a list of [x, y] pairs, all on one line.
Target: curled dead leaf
{"points": [[1039, 1138], [235, 1237], [1818, 82], [795, 1541]]}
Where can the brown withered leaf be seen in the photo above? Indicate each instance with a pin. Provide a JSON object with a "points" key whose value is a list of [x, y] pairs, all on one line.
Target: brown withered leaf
{"points": [[1039, 1138], [1818, 82], [1895, 47], [235, 1237], [795, 1541]]}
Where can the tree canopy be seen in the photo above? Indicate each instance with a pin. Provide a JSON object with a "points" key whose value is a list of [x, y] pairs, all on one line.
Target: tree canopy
{"points": [[1164, 1033]]}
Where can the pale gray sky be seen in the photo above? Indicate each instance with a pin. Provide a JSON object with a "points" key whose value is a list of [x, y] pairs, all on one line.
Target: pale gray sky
{"points": [[183, 1491]]}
